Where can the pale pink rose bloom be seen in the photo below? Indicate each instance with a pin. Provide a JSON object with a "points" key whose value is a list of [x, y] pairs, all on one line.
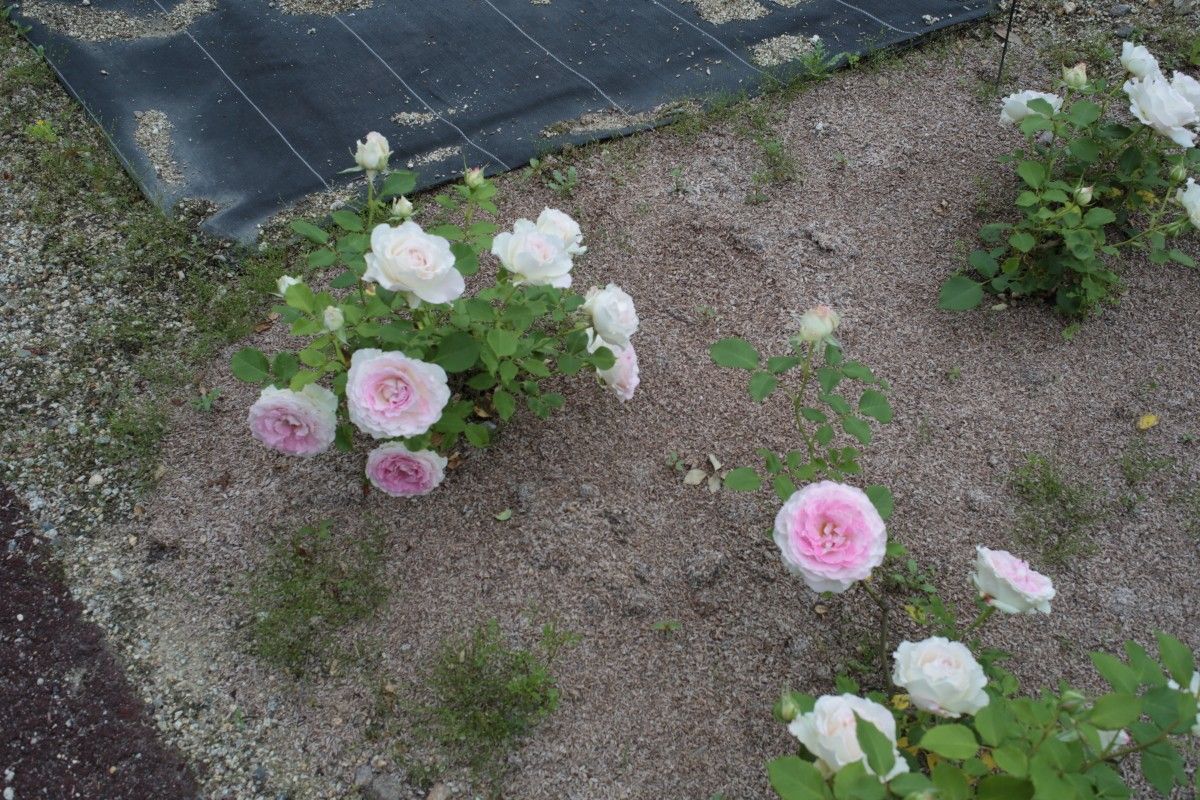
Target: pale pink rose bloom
{"points": [[404, 258], [830, 733], [830, 535], [1007, 583], [533, 256], [297, 423], [394, 469], [623, 377], [391, 395], [555, 223]]}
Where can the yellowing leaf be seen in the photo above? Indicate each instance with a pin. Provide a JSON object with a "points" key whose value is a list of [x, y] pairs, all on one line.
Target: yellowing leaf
{"points": [[694, 477], [900, 701], [1147, 421]]}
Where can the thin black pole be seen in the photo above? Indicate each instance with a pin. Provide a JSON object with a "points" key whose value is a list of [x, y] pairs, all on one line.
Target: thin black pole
{"points": [[1012, 12]]}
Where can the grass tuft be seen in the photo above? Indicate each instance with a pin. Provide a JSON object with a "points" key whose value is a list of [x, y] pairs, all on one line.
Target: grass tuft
{"points": [[1057, 515]]}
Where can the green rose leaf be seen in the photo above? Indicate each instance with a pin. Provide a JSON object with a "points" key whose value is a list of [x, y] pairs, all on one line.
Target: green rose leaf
{"points": [[960, 293], [1098, 217], [309, 231], [478, 435], [880, 753], [761, 385], [953, 741], [735, 353], [857, 428], [1176, 657], [743, 479], [251, 366], [348, 221], [984, 262], [1004, 787], [1032, 172], [793, 778], [1114, 711], [784, 487], [457, 352], [503, 343], [466, 260], [285, 367], [881, 498], [1119, 674], [875, 404], [780, 364], [1022, 241], [398, 183], [344, 281], [322, 257], [504, 403]]}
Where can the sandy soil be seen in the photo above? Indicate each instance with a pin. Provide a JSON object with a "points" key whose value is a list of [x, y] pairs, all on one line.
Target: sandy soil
{"points": [[607, 540]]}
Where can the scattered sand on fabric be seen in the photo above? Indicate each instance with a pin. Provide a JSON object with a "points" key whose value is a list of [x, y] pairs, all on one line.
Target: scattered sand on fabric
{"points": [[790, 3], [607, 540], [434, 156], [722, 11], [321, 7], [414, 119], [613, 120], [781, 49], [95, 25], [153, 136]]}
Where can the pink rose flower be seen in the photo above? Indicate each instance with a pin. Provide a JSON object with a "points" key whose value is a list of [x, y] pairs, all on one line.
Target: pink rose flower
{"points": [[394, 469], [830, 535], [623, 376], [391, 395], [1007, 583], [297, 423]]}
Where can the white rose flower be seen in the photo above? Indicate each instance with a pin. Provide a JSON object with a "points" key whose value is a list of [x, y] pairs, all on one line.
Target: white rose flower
{"points": [[555, 223], [1075, 77], [533, 257], [286, 282], [1138, 61], [1007, 583], [372, 153], [1015, 107], [1189, 198], [941, 676], [623, 377], [818, 323], [334, 318], [1155, 103], [1188, 87], [404, 258], [402, 207], [1194, 690], [830, 732], [613, 315]]}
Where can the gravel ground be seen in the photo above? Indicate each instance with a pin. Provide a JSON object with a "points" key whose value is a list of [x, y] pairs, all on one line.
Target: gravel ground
{"points": [[605, 538]]}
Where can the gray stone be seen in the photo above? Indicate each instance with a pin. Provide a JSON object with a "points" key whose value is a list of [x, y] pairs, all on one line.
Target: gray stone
{"points": [[363, 776], [1124, 32], [385, 787], [1121, 9]]}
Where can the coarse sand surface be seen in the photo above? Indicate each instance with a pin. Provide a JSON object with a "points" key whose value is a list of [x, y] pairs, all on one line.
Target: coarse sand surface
{"points": [[607, 540]]}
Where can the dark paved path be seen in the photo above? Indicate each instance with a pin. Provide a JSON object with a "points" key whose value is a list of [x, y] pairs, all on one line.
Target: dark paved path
{"points": [[71, 726]]}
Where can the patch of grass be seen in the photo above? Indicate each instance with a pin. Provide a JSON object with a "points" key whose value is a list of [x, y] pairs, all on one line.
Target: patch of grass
{"points": [[1091, 46], [487, 695], [1137, 467], [135, 426], [1056, 514], [308, 589]]}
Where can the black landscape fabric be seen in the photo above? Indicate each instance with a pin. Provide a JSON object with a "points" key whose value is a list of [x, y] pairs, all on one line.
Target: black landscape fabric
{"points": [[263, 105]]}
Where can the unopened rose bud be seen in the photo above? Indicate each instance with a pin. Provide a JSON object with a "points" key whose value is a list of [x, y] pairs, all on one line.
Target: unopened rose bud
{"points": [[402, 207], [286, 282], [334, 318], [1179, 173], [1083, 195], [1075, 77], [817, 324], [473, 177], [1073, 700], [372, 153], [788, 710]]}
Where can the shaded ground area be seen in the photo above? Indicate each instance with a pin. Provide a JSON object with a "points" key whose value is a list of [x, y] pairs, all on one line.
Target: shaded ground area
{"points": [[72, 725]]}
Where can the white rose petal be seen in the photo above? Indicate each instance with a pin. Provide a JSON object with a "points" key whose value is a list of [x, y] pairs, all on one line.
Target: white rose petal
{"points": [[532, 256], [372, 153], [818, 324], [1009, 585], [1138, 60], [1153, 101], [941, 676], [614, 317], [1189, 198], [1015, 107], [830, 732], [555, 223], [404, 258], [285, 282], [1188, 88]]}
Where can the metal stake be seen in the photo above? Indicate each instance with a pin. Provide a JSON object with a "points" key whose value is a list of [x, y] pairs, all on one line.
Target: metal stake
{"points": [[1012, 13]]}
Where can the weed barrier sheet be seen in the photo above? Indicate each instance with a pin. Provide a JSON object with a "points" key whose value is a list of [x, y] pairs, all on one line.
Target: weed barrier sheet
{"points": [[251, 107]]}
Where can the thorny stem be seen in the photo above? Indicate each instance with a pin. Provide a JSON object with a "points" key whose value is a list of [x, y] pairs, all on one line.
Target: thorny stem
{"points": [[798, 401], [883, 627]]}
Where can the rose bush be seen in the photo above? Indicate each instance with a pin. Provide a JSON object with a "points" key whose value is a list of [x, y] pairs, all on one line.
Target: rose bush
{"points": [[1091, 187], [411, 359]]}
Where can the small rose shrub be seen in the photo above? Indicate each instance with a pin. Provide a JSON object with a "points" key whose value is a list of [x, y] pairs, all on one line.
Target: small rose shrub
{"points": [[399, 352], [1091, 187]]}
